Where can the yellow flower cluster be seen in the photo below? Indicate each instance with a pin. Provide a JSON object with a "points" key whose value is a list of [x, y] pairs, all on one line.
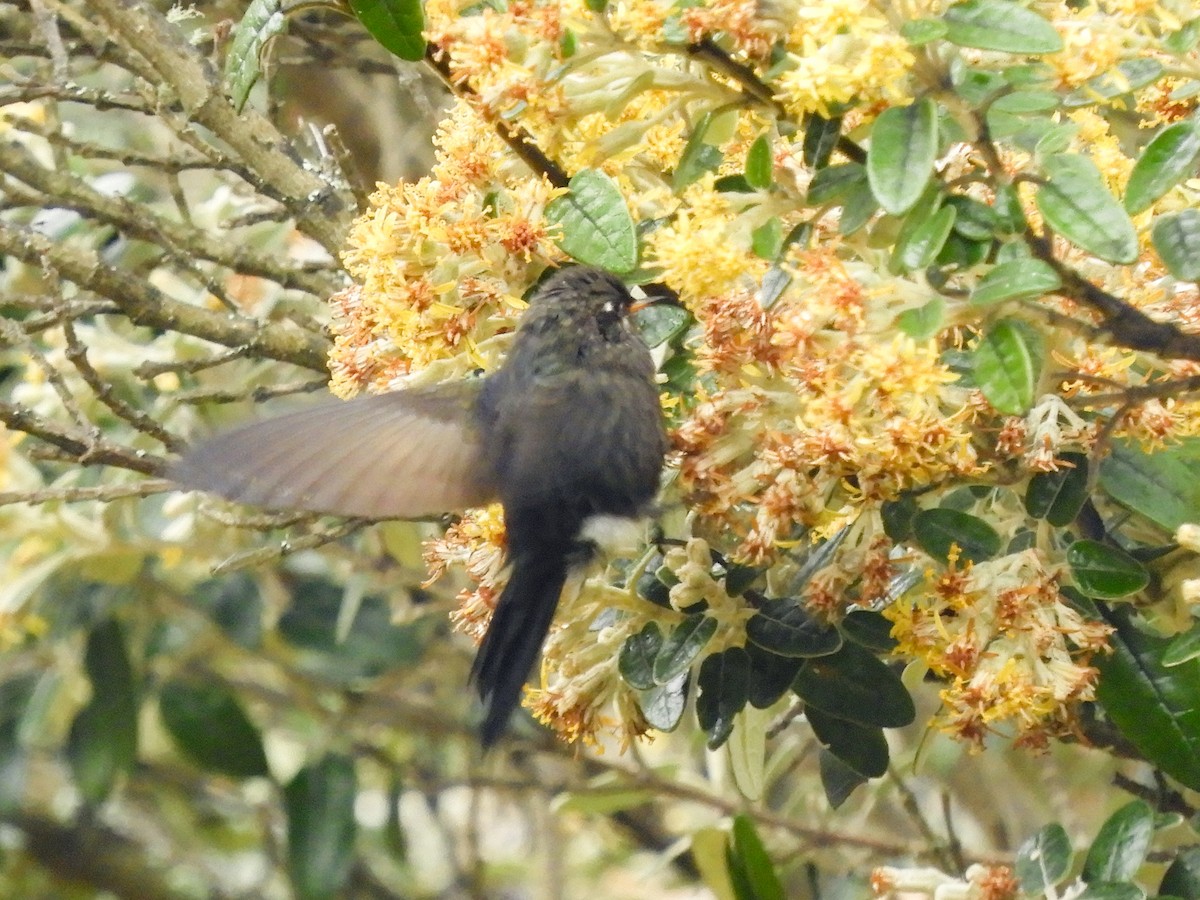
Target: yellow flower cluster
{"points": [[841, 53], [809, 409], [811, 419], [441, 263], [1014, 651]]}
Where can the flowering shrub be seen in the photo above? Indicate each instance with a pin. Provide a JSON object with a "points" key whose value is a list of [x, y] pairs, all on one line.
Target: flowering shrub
{"points": [[930, 374]]}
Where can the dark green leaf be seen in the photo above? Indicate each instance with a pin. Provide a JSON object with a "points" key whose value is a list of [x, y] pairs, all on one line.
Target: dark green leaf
{"points": [[919, 245], [738, 879], [858, 209], [1183, 647], [770, 675], [1043, 860], [319, 803], [723, 687], [786, 628], [596, 226], [820, 137], [834, 182], [974, 220], [683, 645], [1078, 206], [1058, 496], [1009, 213], [897, 517], [1164, 485], [853, 684], [1105, 572], [396, 24], [1176, 237], [863, 748], [663, 705], [1182, 878], [97, 751], [733, 184], [961, 253], [650, 587], [751, 857], [1018, 279], [209, 726], [869, 629], [923, 322], [937, 531], [760, 165], [1000, 25], [660, 323], [636, 659], [1157, 708], [1007, 363], [263, 20], [900, 160], [1166, 161], [837, 779], [767, 239], [1120, 848], [102, 742]]}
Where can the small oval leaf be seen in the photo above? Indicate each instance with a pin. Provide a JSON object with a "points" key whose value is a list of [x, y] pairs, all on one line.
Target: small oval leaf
{"points": [[1183, 647], [1078, 206], [1043, 860], [682, 646], [319, 803], [664, 704], [1176, 237], [855, 685], [770, 675], [900, 159], [596, 226], [1120, 848], [263, 20], [209, 725], [1017, 279], [723, 687], [786, 628], [863, 748], [1007, 366], [1155, 707], [1058, 496], [1166, 161], [1000, 25], [396, 24], [1105, 572], [635, 662], [937, 531], [760, 164]]}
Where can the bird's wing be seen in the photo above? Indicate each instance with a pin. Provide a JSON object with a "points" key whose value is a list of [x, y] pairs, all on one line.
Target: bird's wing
{"points": [[404, 455]]}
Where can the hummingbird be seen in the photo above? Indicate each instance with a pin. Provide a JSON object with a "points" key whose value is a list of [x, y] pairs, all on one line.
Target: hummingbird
{"points": [[567, 434]]}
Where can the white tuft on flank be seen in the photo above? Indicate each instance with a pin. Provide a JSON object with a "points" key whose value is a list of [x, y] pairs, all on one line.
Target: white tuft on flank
{"points": [[614, 533]]}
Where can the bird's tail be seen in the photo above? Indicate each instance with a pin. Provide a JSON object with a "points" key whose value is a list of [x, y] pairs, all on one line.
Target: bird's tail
{"points": [[515, 636]]}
